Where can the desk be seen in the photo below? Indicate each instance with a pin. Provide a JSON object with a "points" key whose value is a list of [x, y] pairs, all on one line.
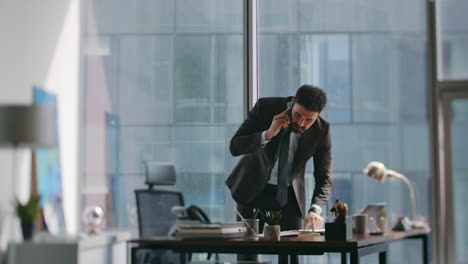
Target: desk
{"points": [[106, 248], [315, 245]]}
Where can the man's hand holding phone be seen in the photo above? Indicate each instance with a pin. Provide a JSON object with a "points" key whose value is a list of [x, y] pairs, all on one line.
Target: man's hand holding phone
{"points": [[279, 121]]}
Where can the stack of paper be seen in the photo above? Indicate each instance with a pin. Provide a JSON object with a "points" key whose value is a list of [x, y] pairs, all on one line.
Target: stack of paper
{"points": [[303, 232], [212, 231]]}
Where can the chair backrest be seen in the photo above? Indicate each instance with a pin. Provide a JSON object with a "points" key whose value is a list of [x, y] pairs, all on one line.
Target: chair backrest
{"points": [[154, 205], [159, 173], [154, 211]]}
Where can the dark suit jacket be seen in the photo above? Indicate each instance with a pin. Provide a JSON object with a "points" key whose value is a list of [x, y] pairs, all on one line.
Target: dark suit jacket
{"points": [[249, 176]]}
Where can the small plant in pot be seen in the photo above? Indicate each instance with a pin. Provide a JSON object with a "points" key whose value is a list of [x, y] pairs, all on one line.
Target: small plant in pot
{"points": [[272, 219], [27, 214], [382, 220]]}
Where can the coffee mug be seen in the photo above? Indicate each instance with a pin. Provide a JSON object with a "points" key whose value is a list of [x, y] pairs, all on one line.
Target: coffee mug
{"points": [[360, 224]]}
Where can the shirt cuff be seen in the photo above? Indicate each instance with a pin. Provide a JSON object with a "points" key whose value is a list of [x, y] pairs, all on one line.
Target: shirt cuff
{"points": [[263, 140], [316, 208]]}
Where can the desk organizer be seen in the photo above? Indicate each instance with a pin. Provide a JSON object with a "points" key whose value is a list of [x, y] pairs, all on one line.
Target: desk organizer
{"points": [[338, 231]]}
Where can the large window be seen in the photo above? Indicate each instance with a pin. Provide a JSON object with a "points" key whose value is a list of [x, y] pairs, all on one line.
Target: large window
{"points": [[452, 85], [458, 127], [452, 29], [163, 82], [370, 58]]}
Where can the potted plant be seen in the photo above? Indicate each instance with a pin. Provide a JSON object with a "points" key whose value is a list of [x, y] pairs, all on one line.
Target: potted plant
{"points": [[272, 219], [27, 214]]}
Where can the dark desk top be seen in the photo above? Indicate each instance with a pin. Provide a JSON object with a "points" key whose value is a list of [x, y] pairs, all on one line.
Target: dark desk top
{"points": [[316, 243]]}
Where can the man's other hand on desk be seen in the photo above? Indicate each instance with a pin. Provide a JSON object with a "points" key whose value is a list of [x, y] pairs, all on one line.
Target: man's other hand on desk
{"points": [[314, 219]]}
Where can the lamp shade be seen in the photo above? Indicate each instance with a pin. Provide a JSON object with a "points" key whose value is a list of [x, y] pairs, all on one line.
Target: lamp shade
{"points": [[376, 170], [27, 125]]}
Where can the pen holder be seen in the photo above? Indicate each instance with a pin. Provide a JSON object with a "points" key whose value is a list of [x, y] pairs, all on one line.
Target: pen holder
{"points": [[338, 231], [252, 228]]}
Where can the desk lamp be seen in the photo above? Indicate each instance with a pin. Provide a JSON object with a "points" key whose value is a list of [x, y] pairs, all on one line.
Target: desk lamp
{"points": [[29, 126], [377, 171]]}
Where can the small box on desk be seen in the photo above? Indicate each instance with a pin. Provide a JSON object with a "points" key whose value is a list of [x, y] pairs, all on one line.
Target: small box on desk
{"points": [[338, 231]]}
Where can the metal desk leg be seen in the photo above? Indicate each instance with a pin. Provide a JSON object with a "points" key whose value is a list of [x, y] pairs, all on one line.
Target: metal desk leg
{"points": [[425, 250], [354, 257], [344, 258], [283, 259], [182, 258], [132, 254], [383, 257], [381, 248]]}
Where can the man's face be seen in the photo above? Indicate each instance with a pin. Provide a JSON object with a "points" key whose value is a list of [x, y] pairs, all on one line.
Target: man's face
{"points": [[302, 119]]}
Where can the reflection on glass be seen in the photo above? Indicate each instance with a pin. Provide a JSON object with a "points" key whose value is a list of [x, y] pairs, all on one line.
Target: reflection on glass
{"points": [[145, 76], [459, 144], [192, 71], [277, 16], [325, 61], [278, 65], [135, 17], [452, 37], [208, 16]]}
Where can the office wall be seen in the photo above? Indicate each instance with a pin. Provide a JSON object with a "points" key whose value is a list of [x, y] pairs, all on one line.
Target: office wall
{"points": [[39, 46]]}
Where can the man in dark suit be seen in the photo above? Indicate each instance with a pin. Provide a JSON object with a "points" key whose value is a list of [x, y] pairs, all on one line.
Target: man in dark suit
{"points": [[277, 139]]}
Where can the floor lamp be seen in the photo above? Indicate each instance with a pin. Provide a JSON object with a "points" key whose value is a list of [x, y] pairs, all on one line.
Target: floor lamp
{"points": [[29, 126], [377, 171]]}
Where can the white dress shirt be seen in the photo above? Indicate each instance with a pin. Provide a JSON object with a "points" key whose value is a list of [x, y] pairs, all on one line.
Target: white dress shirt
{"points": [[293, 144]]}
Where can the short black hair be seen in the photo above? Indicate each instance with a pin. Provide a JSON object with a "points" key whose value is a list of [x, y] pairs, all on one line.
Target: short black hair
{"points": [[311, 97]]}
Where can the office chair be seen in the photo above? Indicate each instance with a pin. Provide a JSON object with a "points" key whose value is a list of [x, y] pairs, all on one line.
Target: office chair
{"points": [[154, 211]]}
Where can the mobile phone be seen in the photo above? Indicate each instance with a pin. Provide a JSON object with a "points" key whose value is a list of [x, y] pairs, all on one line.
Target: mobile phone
{"points": [[290, 106]]}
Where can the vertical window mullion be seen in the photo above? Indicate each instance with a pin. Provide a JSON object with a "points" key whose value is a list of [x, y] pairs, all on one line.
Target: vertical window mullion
{"points": [[250, 54]]}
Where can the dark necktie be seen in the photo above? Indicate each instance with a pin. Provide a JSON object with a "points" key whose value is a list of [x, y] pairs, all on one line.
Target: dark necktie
{"points": [[283, 168]]}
